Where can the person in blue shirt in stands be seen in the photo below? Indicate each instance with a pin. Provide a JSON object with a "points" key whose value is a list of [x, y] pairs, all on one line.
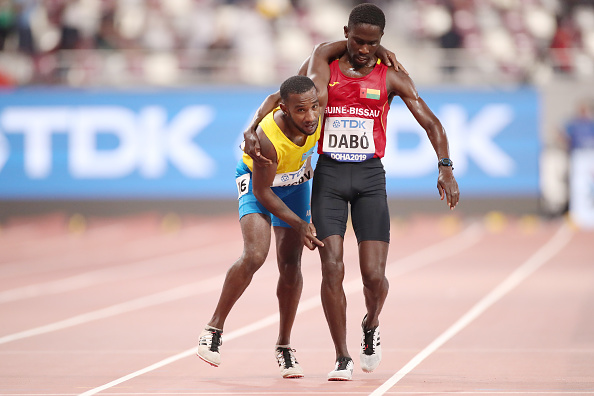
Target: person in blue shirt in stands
{"points": [[580, 130]]}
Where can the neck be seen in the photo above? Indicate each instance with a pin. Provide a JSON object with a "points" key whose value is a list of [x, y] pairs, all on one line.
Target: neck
{"points": [[351, 69], [287, 126]]}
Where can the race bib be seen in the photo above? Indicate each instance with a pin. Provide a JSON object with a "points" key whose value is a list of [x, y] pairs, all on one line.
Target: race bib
{"points": [[349, 139], [243, 183], [293, 178]]}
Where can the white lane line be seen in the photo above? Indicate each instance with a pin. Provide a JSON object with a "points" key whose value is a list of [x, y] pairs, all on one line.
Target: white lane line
{"points": [[351, 393], [208, 285], [470, 350], [542, 255], [30, 266], [448, 248], [479, 392], [470, 236], [135, 269], [260, 324], [177, 293]]}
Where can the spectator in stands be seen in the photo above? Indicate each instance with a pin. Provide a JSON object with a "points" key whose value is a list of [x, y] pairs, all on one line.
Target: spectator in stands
{"points": [[564, 40], [580, 130], [7, 17], [183, 29]]}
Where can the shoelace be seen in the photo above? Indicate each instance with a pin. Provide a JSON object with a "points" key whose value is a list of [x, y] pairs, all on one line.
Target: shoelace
{"points": [[285, 357], [214, 337], [342, 364], [370, 341]]}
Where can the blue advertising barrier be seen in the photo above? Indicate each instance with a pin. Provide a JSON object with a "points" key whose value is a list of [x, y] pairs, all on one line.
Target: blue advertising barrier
{"points": [[68, 144]]}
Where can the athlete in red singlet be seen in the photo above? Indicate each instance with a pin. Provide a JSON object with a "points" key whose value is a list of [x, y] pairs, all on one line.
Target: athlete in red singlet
{"points": [[349, 171], [354, 128]]}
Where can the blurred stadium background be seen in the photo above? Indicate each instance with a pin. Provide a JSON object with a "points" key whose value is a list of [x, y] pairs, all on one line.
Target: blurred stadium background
{"points": [[115, 106]]}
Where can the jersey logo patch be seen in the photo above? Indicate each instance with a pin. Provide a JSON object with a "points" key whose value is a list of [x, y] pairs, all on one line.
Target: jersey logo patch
{"points": [[306, 155], [333, 83], [368, 93]]}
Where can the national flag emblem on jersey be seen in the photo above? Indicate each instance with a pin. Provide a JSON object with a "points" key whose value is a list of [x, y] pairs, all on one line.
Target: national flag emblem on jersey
{"points": [[368, 93]]}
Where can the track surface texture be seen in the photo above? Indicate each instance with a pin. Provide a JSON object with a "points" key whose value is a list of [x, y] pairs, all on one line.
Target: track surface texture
{"points": [[489, 305]]}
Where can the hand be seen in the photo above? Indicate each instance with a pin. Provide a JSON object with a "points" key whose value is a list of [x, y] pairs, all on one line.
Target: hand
{"points": [[398, 66], [389, 59], [448, 186], [308, 235], [252, 147]]}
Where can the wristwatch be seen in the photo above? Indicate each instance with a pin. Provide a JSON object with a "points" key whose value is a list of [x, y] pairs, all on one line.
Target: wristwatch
{"points": [[446, 162]]}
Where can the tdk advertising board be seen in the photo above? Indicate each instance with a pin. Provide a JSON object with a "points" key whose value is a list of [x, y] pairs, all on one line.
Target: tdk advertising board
{"points": [[69, 144]]}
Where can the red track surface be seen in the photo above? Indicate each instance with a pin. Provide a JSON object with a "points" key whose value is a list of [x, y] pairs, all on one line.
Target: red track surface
{"points": [[114, 306]]}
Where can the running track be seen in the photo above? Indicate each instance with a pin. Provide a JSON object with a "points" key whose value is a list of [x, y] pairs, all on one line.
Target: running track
{"points": [[113, 306]]}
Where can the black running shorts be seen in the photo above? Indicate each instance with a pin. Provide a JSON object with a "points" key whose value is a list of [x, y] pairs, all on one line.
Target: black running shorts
{"points": [[363, 185]]}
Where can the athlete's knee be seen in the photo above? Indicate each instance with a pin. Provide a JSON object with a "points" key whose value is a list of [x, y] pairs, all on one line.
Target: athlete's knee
{"points": [[332, 272], [374, 278], [290, 274], [251, 260]]}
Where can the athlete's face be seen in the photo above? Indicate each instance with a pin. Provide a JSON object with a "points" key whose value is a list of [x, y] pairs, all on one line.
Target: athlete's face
{"points": [[303, 111], [363, 40]]}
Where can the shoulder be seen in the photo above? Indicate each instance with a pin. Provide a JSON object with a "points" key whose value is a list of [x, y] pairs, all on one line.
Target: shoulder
{"points": [[400, 84], [266, 146], [268, 117], [269, 123], [333, 65]]}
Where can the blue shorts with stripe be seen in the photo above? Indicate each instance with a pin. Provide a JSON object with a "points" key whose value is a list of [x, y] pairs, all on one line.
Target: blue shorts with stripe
{"points": [[297, 198]]}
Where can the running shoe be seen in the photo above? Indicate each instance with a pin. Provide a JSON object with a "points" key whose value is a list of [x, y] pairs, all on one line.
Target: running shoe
{"points": [[287, 362], [343, 370], [208, 346], [371, 350]]}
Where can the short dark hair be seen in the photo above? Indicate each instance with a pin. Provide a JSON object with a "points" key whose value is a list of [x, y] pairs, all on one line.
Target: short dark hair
{"points": [[367, 13], [295, 85]]}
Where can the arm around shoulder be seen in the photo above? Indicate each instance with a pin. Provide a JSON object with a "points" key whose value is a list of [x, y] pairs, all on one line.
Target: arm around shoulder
{"points": [[252, 143]]}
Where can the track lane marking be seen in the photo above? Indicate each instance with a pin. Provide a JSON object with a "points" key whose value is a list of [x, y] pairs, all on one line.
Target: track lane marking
{"points": [[448, 247], [177, 293], [174, 294], [114, 273], [29, 266], [559, 240]]}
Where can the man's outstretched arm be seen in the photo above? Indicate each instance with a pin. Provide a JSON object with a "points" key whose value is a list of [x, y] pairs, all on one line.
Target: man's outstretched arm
{"points": [[262, 179], [446, 182]]}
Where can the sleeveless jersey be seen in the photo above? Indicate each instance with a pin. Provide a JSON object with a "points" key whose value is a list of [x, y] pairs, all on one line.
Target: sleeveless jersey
{"points": [[294, 162], [354, 128]]}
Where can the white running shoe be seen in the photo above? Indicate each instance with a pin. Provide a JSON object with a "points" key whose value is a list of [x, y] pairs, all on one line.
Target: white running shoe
{"points": [[287, 362], [371, 350], [343, 370], [208, 346]]}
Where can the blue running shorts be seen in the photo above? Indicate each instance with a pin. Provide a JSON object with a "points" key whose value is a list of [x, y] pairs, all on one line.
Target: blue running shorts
{"points": [[297, 198]]}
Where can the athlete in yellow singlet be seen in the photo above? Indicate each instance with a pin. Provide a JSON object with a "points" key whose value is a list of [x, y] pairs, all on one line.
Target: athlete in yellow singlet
{"points": [[277, 195], [293, 161]]}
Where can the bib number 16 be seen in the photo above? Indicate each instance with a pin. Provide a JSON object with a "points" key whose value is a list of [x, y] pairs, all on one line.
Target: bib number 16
{"points": [[243, 183]]}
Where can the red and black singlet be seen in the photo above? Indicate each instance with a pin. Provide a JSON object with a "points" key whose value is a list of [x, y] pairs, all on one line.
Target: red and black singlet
{"points": [[354, 128]]}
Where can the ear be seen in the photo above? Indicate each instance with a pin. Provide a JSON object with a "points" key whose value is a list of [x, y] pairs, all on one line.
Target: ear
{"points": [[283, 107], [346, 32]]}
